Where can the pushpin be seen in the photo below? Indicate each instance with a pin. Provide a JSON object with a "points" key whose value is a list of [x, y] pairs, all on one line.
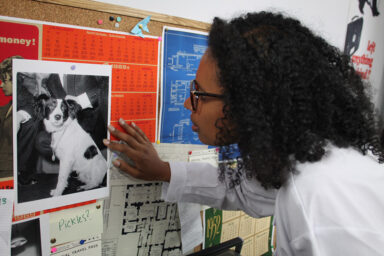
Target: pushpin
{"points": [[117, 25], [100, 22], [82, 241], [111, 18], [118, 19], [158, 142], [141, 26], [53, 250]]}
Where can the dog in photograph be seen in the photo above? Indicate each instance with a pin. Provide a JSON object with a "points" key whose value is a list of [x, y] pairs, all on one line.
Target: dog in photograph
{"points": [[71, 144]]}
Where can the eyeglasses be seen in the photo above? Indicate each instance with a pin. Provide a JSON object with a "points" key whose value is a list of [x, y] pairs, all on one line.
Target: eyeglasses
{"points": [[195, 94]]}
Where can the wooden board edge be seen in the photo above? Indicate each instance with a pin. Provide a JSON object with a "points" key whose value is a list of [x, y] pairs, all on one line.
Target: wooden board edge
{"points": [[131, 12]]}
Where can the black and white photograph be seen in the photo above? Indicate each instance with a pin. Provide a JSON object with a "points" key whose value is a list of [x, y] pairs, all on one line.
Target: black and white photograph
{"points": [[25, 238], [30, 237], [62, 114]]}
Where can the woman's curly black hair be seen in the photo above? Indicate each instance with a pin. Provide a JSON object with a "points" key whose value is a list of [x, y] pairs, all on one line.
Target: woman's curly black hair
{"points": [[289, 93]]}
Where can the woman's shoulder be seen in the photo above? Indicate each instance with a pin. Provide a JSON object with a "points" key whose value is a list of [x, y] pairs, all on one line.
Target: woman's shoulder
{"points": [[337, 197], [342, 171], [338, 163]]}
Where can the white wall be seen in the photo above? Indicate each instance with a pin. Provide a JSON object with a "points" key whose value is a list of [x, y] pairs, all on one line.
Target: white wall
{"points": [[326, 17]]}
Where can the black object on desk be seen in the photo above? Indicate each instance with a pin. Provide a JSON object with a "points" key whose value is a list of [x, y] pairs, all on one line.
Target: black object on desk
{"points": [[222, 249]]}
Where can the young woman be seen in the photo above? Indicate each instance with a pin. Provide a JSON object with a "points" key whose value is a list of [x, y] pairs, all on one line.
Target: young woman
{"points": [[305, 128]]}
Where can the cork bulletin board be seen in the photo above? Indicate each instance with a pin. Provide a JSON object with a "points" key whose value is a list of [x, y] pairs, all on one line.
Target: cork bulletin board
{"points": [[134, 90], [86, 13]]}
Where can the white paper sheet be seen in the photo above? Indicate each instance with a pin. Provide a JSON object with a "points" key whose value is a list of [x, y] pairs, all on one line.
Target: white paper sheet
{"points": [[206, 155], [6, 207], [189, 213], [177, 152], [191, 225], [137, 220]]}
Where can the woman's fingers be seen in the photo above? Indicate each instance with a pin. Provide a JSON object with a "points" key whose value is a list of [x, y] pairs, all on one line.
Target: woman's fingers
{"points": [[162, 171], [140, 132], [130, 140], [142, 162], [134, 131], [125, 167], [121, 147], [137, 156]]}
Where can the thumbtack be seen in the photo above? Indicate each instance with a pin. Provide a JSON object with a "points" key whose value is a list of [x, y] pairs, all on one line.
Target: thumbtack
{"points": [[53, 240], [157, 142], [118, 19], [117, 25], [100, 22], [98, 206], [111, 18], [53, 250], [82, 241]]}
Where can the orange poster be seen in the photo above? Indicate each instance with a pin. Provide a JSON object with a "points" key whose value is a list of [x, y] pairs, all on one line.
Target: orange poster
{"points": [[134, 73]]}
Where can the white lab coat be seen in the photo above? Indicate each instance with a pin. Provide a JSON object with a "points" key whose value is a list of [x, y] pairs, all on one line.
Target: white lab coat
{"points": [[331, 207]]}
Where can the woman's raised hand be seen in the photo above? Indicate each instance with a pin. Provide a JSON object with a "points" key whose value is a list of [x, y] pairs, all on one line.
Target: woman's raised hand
{"points": [[136, 146]]}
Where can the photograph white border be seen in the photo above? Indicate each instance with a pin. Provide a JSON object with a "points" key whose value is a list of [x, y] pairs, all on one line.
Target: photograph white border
{"points": [[38, 66]]}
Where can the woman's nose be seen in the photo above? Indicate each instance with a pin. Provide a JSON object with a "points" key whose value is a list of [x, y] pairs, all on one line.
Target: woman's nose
{"points": [[187, 104]]}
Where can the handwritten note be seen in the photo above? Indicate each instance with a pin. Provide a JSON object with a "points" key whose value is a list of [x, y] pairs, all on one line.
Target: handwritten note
{"points": [[76, 223], [6, 203]]}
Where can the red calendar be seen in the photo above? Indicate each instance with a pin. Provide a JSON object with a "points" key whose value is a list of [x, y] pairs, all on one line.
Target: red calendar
{"points": [[134, 63]]}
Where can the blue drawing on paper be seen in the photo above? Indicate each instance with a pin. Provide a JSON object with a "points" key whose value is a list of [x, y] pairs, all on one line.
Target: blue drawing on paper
{"points": [[182, 54]]}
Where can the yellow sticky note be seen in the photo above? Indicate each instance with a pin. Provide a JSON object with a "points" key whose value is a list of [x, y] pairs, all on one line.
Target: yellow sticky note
{"points": [[76, 223]]}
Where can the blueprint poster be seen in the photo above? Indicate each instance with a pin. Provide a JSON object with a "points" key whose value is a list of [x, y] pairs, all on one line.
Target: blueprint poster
{"points": [[182, 51]]}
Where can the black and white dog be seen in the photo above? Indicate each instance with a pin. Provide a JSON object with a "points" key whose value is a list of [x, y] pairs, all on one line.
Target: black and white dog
{"points": [[73, 146]]}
